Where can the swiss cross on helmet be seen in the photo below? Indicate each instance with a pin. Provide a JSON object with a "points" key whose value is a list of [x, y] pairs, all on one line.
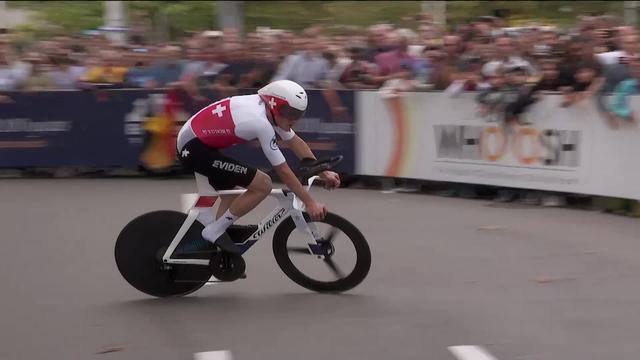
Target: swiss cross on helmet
{"points": [[285, 98]]}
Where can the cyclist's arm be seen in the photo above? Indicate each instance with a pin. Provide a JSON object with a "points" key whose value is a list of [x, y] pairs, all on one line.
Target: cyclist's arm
{"points": [[302, 151], [289, 178], [267, 138], [300, 148], [295, 143]]}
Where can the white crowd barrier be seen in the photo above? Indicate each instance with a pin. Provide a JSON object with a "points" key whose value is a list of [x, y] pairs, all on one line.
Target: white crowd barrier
{"points": [[432, 136]]}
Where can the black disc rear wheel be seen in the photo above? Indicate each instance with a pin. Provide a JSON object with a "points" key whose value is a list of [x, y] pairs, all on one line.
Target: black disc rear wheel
{"points": [[139, 250]]}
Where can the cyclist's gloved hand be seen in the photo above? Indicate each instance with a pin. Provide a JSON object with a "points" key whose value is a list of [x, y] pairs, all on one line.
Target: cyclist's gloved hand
{"points": [[316, 210], [331, 179]]}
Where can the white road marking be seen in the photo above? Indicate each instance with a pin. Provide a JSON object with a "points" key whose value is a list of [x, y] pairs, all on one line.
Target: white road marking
{"points": [[213, 355], [469, 352]]}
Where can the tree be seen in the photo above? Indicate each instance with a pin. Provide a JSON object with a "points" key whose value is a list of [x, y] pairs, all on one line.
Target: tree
{"points": [[175, 18]]}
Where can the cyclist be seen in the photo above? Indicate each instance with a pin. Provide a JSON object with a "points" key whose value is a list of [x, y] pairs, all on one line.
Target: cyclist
{"points": [[275, 109]]}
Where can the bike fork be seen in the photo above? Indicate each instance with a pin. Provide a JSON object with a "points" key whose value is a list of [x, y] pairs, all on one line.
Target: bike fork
{"points": [[310, 230]]}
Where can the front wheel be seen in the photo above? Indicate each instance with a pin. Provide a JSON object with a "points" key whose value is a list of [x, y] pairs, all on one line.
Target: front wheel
{"points": [[339, 270]]}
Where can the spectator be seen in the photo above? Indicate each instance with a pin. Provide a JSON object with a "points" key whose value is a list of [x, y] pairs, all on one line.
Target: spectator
{"points": [[403, 80], [378, 41], [491, 100], [506, 56], [40, 78], [436, 58], [618, 110], [463, 63], [450, 64], [395, 64], [520, 94], [467, 77], [105, 71], [337, 65], [615, 67], [579, 72], [620, 43], [427, 33], [548, 44], [508, 96], [140, 76], [23, 67], [306, 67], [549, 76], [8, 81], [170, 66], [389, 62], [62, 75], [203, 65], [423, 68], [359, 73]]}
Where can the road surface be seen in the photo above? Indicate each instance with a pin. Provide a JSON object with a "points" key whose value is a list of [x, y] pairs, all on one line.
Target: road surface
{"points": [[524, 283]]}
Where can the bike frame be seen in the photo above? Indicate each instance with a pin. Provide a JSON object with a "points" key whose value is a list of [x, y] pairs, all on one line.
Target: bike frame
{"points": [[289, 205]]}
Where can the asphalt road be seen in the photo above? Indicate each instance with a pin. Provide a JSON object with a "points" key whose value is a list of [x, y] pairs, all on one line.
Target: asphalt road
{"points": [[526, 283]]}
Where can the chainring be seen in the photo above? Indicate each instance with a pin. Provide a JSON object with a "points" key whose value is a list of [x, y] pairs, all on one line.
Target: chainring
{"points": [[227, 267]]}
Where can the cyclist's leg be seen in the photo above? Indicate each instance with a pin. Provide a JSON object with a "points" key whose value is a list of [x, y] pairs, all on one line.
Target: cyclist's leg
{"points": [[224, 173], [225, 203], [257, 190]]}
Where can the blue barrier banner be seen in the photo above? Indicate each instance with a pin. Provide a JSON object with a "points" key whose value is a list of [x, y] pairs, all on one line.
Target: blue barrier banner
{"points": [[129, 128], [49, 129]]}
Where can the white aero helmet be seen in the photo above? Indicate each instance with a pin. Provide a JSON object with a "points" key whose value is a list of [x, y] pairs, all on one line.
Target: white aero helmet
{"points": [[285, 98]]}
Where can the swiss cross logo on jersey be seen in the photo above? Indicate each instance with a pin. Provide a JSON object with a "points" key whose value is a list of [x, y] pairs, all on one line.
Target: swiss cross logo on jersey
{"points": [[214, 125], [219, 110]]}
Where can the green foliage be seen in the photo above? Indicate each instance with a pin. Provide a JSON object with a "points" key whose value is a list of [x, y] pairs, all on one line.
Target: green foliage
{"points": [[67, 16], [76, 16], [560, 13], [177, 17], [297, 15]]}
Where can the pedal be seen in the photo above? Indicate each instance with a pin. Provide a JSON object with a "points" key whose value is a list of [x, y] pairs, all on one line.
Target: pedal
{"points": [[227, 245]]}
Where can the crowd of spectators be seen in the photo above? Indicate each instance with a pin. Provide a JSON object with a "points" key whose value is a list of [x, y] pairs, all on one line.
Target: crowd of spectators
{"points": [[508, 67], [593, 58]]}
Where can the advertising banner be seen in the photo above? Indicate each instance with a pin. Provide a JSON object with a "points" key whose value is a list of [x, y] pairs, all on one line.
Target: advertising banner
{"points": [[67, 128], [132, 128], [433, 136]]}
